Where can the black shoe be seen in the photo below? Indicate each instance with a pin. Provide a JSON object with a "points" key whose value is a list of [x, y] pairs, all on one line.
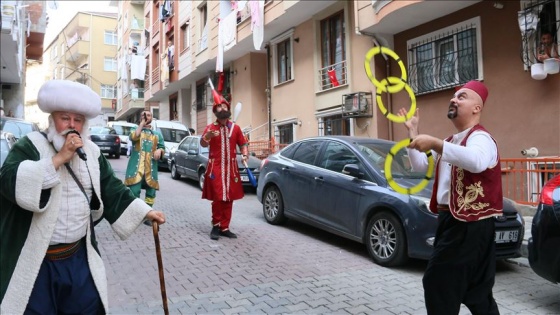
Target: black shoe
{"points": [[228, 233], [215, 234]]}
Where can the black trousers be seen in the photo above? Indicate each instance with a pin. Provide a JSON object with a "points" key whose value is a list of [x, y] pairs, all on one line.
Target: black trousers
{"points": [[462, 267]]}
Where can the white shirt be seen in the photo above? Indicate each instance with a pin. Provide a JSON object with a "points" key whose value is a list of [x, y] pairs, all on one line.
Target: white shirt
{"points": [[479, 154]]}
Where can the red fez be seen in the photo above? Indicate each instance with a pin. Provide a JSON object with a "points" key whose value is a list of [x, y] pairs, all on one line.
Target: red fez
{"points": [[478, 87], [218, 100]]}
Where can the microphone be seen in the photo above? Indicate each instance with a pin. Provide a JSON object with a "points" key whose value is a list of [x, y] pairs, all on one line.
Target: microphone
{"points": [[80, 150]]}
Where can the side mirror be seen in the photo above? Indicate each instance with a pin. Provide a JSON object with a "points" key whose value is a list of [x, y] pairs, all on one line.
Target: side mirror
{"points": [[352, 170]]}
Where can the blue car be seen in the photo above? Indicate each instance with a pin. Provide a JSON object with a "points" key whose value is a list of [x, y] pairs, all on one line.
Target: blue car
{"points": [[337, 184]]}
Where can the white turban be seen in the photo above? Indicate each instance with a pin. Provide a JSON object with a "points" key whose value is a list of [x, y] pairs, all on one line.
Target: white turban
{"points": [[69, 96]]}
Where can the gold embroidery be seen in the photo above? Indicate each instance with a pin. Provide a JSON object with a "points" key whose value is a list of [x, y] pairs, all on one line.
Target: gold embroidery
{"points": [[466, 201]]}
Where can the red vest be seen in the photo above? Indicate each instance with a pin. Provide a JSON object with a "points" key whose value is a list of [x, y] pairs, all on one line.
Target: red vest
{"points": [[472, 196]]}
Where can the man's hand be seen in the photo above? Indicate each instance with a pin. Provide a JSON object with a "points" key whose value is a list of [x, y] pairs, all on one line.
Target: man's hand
{"points": [[158, 154], [412, 123], [157, 216], [425, 143], [66, 153]]}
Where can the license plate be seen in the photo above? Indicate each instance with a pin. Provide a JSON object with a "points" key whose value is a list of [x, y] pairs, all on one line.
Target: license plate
{"points": [[506, 236], [105, 148], [244, 178]]}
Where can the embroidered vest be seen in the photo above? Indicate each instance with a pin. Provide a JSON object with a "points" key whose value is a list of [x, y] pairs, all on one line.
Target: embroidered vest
{"points": [[472, 196]]}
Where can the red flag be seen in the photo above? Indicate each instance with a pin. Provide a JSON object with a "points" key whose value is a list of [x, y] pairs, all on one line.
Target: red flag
{"points": [[332, 76]]}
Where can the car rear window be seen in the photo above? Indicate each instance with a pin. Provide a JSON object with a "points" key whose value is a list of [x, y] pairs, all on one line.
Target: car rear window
{"points": [[307, 152], [122, 130], [173, 135]]}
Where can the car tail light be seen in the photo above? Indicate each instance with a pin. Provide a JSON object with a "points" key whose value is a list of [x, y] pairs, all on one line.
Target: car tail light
{"points": [[118, 140], [263, 164], [548, 188]]}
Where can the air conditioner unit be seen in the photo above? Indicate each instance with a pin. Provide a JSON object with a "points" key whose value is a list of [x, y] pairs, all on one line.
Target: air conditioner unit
{"points": [[355, 102]]}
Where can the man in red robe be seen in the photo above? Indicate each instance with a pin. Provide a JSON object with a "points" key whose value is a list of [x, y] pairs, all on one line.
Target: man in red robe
{"points": [[222, 182]]}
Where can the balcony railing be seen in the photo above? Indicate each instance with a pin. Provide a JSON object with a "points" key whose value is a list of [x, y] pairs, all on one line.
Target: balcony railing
{"points": [[333, 75], [137, 93]]}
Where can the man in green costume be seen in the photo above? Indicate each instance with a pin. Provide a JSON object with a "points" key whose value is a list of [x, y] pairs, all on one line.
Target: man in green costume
{"points": [[148, 148], [55, 187]]}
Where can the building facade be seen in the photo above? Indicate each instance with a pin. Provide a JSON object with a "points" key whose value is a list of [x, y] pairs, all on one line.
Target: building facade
{"points": [[297, 67], [84, 51], [23, 29]]}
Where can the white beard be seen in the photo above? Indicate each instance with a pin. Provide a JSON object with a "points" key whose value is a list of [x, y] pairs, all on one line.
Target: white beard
{"points": [[59, 138]]}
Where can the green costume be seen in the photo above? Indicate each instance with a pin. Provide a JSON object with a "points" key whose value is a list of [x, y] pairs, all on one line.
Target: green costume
{"points": [[142, 169], [29, 213]]}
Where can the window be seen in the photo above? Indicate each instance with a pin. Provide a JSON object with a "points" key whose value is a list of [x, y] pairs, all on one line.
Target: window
{"points": [[285, 133], [185, 37], [334, 125], [201, 96], [307, 152], [108, 91], [445, 58], [333, 50], [110, 64], [282, 57], [336, 156], [539, 17], [203, 14], [110, 38]]}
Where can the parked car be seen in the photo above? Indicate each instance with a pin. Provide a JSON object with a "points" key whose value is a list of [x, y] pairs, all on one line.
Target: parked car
{"points": [[123, 129], [544, 243], [337, 184], [7, 141], [107, 140], [17, 127], [190, 160], [173, 132]]}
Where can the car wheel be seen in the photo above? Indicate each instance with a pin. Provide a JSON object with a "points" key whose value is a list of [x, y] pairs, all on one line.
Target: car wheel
{"points": [[273, 206], [201, 179], [385, 240], [174, 173]]}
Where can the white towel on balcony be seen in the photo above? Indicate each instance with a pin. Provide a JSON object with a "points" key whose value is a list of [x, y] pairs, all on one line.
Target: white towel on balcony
{"points": [[257, 22], [227, 37], [138, 67]]}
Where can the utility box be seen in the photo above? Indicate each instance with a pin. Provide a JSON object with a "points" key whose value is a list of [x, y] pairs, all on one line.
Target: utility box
{"points": [[359, 104]]}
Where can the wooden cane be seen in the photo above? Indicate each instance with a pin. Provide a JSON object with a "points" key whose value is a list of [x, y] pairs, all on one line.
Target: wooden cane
{"points": [[160, 267]]}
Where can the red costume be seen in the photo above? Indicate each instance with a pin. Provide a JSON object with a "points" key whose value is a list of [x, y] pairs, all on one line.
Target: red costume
{"points": [[222, 182]]}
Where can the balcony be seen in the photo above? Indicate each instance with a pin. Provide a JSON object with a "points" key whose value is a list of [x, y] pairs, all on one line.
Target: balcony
{"points": [[77, 51], [131, 103]]}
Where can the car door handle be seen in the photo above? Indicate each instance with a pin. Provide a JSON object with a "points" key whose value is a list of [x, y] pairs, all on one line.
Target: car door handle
{"points": [[285, 168], [319, 178]]}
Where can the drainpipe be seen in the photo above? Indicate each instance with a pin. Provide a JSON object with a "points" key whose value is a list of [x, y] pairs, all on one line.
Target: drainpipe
{"points": [[268, 93], [387, 74]]}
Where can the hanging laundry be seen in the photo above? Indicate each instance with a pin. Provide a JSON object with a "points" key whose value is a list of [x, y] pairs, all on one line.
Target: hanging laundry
{"points": [[137, 67], [332, 77], [257, 22]]}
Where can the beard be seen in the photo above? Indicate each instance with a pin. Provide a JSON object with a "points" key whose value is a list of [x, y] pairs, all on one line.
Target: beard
{"points": [[59, 138], [224, 114], [452, 111]]}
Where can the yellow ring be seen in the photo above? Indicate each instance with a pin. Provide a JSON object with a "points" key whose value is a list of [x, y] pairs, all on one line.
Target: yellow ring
{"points": [[389, 160], [391, 116], [383, 87]]}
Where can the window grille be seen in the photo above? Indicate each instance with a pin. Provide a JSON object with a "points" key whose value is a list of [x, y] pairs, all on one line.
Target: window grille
{"points": [[334, 125], [538, 17], [443, 61]]}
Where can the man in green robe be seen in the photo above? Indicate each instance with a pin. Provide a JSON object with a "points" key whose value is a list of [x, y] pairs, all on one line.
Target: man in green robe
{"points": [[148, 148], [55, 187]]}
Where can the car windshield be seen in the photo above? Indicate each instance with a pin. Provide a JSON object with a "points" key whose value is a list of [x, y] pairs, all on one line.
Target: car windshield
{"points": [[101, 131], [173, 135], [18, 128], [376, 154], [122, 130]]}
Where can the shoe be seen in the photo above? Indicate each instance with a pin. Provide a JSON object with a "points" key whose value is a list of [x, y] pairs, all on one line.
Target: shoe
{"points": [[228, 233], [215, 234]]}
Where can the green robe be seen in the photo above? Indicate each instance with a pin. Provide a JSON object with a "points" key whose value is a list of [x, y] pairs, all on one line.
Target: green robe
{"points": [[141, 163], [28, 215]]}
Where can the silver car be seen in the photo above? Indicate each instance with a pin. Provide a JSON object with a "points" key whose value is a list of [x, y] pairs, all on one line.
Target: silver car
{"points": [[337, 184]]}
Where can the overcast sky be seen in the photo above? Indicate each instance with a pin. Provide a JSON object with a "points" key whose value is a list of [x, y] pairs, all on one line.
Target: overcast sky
{"points": [[65, 11]]}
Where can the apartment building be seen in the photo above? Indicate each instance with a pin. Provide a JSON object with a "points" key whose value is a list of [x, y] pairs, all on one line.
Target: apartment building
{"points": [[23, 29], [84, 51], [297, 67]]}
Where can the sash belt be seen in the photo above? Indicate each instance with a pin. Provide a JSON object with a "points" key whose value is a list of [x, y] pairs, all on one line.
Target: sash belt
{"points": [[443, 207], [63, 251]]}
